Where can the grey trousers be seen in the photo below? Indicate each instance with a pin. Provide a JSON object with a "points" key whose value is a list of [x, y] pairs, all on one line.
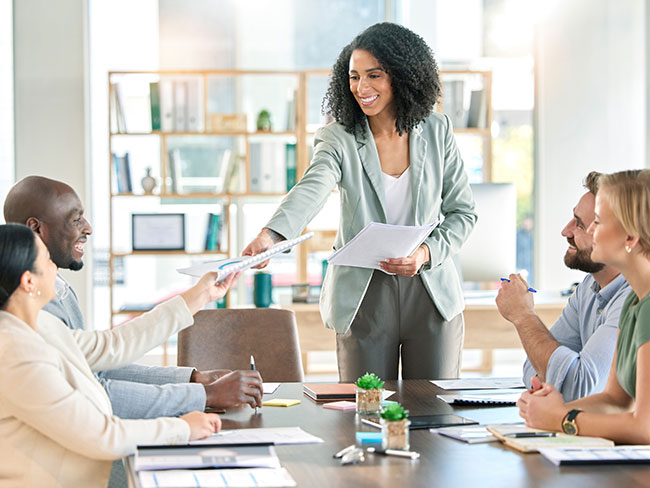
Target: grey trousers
{"points": [[398, 318]]}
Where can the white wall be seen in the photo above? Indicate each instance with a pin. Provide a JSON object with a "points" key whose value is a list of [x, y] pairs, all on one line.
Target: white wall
{"points": [[51, 101], [591, 112]]}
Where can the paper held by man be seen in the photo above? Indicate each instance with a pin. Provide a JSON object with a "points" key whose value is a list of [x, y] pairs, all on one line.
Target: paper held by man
{"points": [[225, 267], [377, 242]]}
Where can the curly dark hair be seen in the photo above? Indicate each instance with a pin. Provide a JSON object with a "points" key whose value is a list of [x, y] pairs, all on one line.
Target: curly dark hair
{"points": [[406, 58]]}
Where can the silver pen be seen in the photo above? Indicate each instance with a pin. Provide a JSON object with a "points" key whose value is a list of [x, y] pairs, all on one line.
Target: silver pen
{"points": [[371, 423], [344, 451], [395, 452], [253, 369]]}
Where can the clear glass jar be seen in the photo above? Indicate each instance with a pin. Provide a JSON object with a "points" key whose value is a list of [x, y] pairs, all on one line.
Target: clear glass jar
{"points": [[368, 401], [395, 434]]}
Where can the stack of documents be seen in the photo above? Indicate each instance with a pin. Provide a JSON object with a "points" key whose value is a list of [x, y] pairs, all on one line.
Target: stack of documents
{"points": [[474, 434], [377, 241], [261, 477], [244, 457], [598, 455], [479, 383], [508, 397]]}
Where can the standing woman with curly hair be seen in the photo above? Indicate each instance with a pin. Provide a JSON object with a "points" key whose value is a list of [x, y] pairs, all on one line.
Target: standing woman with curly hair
{"points": [[394, 161]]}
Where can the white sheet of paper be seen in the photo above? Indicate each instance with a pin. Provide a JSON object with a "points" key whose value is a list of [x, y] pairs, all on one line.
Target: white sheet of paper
{"points": [[377, 241], [216, 478], [479, 383], [275, 435], [224, 267], [270, 387]]}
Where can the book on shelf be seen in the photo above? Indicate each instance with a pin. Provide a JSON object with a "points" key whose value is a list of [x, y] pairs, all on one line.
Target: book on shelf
{"points": [[291, 111], [477, 114], [292, 166], [154, 99], [181, 104], [122, 173], [174, 166], [453, 102], [213, 232], [166, 104], [268, 167], [194, 114], [118, 120]]}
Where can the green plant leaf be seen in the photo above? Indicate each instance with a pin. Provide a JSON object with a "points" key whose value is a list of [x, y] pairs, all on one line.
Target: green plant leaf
{"points": [[369, 381]]}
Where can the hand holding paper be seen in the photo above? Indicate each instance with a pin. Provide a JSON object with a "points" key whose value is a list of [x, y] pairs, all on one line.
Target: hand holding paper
{"points": [[225, 267], [376, 242]]}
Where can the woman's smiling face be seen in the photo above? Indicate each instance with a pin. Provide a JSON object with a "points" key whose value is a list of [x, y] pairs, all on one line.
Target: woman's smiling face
{"points": [[370, 84]]}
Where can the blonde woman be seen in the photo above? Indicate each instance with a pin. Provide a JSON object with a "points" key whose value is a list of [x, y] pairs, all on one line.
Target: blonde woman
{"points": [[621, 238], [57, 427]]}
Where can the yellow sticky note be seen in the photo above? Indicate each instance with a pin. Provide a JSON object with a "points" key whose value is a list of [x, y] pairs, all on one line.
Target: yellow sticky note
{"points": [[280, 402]]}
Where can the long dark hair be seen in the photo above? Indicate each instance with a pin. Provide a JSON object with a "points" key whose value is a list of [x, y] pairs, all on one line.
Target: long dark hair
{"points": [[17, 255], [408, 60]]}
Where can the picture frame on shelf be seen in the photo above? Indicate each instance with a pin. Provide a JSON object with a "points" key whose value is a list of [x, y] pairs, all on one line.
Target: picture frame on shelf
{"points": [[158, 232]]}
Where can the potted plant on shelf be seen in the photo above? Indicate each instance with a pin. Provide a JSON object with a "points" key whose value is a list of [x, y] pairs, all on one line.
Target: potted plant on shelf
{"points": [[369, 389], [264, 123], [395, 427]]}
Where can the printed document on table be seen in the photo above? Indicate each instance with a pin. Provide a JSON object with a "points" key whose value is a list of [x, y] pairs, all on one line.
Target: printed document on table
{"points": [[271, 435], [225, 267], [377, 241], [479, 383], [260, 477]]}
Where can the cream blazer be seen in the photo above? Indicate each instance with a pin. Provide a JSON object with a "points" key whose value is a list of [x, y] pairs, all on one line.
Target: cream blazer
{"points": [[56, 423]]}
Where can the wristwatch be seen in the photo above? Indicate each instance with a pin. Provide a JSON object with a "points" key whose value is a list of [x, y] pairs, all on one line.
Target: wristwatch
{"points": [[569, 425]]}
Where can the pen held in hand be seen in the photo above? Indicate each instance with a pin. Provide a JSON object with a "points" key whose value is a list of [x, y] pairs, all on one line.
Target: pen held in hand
{"points": [[253, 369], [532, 290]]}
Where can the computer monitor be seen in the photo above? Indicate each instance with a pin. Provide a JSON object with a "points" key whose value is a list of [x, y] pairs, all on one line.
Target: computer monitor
{"points": [[490, 252]]}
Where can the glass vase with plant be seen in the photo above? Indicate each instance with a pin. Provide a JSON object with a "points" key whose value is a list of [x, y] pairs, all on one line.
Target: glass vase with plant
{"points": [[395, 427], [369, 389]]}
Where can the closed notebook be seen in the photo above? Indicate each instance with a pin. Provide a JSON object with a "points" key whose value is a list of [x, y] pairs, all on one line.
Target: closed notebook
{"points": [[342, 405], [501, 398], [504, 433], [330, 391]]}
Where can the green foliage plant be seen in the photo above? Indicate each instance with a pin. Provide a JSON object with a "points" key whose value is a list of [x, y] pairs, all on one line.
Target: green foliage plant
{"points": [[370, 381], [394, 411]]}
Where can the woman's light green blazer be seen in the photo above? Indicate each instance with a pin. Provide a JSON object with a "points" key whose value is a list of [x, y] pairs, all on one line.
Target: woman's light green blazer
{"points": [[440, 190]]}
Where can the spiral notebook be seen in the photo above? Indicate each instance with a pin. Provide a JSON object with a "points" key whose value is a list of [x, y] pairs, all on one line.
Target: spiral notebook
{"points": [[225, 267], [502, 398]]}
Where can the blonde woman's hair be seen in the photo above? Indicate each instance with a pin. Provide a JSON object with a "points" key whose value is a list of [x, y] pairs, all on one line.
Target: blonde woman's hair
{"points": [[629, 197]]}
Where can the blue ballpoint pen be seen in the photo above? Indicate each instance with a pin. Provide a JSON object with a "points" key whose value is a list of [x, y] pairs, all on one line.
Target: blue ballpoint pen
{"points": [[529, 289], [253, 369]]}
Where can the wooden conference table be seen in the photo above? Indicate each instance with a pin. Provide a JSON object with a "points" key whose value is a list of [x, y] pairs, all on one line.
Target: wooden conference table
{"points": [[443, 462]]}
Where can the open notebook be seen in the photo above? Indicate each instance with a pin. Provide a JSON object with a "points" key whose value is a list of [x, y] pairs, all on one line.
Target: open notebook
{"points": [[225, 267]]}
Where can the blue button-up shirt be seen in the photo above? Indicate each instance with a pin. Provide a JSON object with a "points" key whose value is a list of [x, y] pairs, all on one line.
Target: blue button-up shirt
{"points": [[587, 332]]}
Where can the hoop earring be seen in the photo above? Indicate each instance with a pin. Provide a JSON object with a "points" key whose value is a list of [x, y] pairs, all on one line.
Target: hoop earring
{"points": [[628, 249]]}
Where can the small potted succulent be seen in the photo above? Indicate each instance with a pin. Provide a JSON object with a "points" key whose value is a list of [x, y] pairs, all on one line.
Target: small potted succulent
{"points": [[369, 389], [395, 427], [264, 123]]}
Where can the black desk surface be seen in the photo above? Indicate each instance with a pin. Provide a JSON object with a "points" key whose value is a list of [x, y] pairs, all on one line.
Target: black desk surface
{"points": [[443, 462]]}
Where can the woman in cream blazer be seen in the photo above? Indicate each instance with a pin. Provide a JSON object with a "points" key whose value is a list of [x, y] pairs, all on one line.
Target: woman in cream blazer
{"points": [[56, 421]]}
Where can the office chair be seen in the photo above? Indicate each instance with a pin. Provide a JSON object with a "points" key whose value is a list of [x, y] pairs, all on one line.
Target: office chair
{"points": [[226, 339]]}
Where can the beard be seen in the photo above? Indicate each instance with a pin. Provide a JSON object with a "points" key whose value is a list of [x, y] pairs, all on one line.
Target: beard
{"points": [[75, 265], [581, 260], [64, 260]]}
